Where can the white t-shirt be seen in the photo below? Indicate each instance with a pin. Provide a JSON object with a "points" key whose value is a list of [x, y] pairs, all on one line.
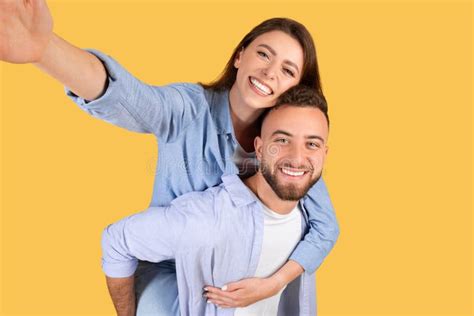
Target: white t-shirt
{"points": [[280, 235]]}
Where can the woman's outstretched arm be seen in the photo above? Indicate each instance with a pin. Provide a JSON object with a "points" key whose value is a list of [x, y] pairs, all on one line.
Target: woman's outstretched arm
{"points": [[26, 36]]}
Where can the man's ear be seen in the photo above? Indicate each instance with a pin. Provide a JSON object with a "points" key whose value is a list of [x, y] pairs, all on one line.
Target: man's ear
{"points": [[238, 57], [326, 150], [258, 144]]}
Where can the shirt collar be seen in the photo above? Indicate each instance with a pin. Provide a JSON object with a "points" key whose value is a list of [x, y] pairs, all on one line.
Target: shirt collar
{"points": [[239, 193], [241, 196], [220, 110]]}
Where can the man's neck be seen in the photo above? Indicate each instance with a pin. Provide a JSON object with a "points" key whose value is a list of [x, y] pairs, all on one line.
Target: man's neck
{"points": [[260, 187]]}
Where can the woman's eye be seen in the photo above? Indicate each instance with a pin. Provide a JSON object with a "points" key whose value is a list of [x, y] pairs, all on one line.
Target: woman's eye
{"points": [[288, 72], [262, 54]]}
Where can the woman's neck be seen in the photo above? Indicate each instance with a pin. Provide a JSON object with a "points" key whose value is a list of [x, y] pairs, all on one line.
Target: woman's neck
{"points": [[244, 120]]}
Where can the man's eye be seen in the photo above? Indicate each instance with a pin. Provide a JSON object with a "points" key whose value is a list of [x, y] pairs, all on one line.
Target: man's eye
{"points": [[314, 145], [282, 140], [288, 72], [262, 54]]}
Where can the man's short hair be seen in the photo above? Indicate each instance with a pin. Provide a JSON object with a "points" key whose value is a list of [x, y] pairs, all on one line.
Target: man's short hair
{"points": [[300, 96]]}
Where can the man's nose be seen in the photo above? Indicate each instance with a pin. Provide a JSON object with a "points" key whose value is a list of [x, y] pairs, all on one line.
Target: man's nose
{"points": [[296, 156]]}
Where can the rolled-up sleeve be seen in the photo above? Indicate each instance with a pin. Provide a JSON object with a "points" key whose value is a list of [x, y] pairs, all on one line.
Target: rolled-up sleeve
{"points": [[152, 235], [165, 111], [323, 229]]}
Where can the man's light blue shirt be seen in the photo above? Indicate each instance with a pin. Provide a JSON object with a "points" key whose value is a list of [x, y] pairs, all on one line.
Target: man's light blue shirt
{"points": [[215, 237]]}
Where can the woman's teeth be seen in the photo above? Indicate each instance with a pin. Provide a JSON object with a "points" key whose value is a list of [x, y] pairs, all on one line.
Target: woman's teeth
{"points": [[260, 86]]}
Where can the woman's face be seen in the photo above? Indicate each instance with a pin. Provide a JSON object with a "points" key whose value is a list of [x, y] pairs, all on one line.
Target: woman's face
{"points": [[267, 67]]}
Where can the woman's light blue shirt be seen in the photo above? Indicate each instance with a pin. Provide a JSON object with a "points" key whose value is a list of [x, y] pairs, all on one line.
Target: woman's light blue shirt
{"points": [[196, 142]]}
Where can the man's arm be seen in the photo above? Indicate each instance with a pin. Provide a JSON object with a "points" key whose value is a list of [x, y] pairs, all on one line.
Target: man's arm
{"points": [[152, 235], [122, 292], [26, 33]]}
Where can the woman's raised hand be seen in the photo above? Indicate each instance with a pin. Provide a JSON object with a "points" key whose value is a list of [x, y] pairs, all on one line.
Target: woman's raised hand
{"points": [[26, 28]]}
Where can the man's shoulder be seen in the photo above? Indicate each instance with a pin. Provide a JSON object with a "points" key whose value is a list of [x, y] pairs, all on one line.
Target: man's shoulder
{"points": [[230, 193], [200, 198]]}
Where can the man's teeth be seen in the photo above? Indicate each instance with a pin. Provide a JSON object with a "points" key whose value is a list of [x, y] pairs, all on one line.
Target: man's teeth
{"points": [[292, 173], [260, 86]]}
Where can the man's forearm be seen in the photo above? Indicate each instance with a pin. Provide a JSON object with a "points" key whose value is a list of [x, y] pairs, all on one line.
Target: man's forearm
{"points": [[75, 68], [122, 292]]}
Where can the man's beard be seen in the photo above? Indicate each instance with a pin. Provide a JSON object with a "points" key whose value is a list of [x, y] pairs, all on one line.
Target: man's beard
{"points": [[288, 192]]}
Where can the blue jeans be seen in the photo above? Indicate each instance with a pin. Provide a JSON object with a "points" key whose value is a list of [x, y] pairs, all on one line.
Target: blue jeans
{"points": [[156, 289]]}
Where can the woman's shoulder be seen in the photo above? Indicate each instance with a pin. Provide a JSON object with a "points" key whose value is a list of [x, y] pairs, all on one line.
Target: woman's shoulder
{"points": [[197, 92], [189, 93], [187, 89]]}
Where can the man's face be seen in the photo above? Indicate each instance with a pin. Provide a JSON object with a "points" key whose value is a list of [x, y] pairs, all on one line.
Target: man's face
{"points": [[292, 149]]}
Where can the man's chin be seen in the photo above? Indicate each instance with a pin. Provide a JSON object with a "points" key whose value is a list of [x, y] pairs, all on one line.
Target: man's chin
{"points": [[291, 193]]}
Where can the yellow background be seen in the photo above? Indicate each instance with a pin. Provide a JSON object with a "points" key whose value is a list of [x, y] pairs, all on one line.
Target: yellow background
{"points": [[398, 77]]}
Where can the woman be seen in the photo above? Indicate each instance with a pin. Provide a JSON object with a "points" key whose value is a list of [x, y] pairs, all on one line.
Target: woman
{"points": [[204, 131]]}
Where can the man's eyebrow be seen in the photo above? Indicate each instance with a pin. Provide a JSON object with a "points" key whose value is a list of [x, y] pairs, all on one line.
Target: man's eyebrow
{"points": [[315, 137], [273, 52], [279, 131]]}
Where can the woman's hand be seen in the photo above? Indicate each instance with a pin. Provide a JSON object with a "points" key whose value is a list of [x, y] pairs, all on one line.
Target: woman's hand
{"points": [[26, 28], [249, 291], [26, 36], [242, 293]]}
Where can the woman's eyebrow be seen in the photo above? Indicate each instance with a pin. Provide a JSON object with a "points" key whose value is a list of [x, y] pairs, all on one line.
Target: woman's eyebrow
{"points": [[273, 52], [269, 48]]}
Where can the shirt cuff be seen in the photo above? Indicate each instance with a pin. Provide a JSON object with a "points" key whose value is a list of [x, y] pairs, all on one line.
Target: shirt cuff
{"points": [[119, 270], [112, 90], [300, 255]]}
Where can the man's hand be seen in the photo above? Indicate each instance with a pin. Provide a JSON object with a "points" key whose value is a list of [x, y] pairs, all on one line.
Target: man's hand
{"points": [[242, 293], [26, 27]]}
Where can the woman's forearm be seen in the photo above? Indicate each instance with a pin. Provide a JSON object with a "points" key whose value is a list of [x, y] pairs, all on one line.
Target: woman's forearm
{"points": [[80, 71], [290, 271]]}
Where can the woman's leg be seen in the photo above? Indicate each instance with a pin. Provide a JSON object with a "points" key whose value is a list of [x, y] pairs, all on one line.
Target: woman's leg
{"points": [[156, 289]]}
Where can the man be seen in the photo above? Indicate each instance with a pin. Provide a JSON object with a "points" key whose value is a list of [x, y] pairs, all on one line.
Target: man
{"points": [[239, 229]]}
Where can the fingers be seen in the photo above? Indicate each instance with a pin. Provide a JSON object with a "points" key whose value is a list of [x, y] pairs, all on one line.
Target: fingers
{"points": [[232, 286], [220, 295], [228, 287], [221, 298], [220, 304]]}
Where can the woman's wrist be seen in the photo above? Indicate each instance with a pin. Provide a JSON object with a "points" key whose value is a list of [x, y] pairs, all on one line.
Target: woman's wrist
{"points": [[275, 284], [287, 273]]}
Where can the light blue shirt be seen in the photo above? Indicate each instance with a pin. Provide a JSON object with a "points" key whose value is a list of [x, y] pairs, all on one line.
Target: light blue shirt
{"points": [[196, 146], [215, 237]]}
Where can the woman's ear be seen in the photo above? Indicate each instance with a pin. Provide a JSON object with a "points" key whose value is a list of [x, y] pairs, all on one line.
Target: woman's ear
{"points": [[238, 57]]}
